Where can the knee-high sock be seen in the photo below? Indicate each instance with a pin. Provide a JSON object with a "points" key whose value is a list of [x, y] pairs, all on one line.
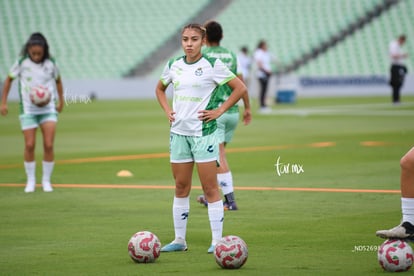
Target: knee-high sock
{"points": [[181, 208], [407, 207], [216, 217]]}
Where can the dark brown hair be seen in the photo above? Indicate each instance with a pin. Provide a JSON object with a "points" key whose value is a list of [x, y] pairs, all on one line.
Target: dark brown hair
{"points": [[36, 39], [214, 31]]}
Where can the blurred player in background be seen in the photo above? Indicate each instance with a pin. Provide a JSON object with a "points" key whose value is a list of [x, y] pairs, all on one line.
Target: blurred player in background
{"points": [[406, 228], [226, 123], [398, 69], [245, 62], [193, 132], [36, 67], [263, 60]]}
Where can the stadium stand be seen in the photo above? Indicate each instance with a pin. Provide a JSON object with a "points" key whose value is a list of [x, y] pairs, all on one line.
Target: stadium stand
{"points": [[105, 39], [94, 39], [293, 28], [365, 52]]}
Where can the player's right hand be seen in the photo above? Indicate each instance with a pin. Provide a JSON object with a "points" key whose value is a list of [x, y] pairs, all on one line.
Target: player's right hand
{"points": [[4, 110]]}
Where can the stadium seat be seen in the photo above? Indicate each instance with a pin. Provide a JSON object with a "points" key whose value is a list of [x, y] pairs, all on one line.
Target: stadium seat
{"points": [[106, 39], [94, 38]]}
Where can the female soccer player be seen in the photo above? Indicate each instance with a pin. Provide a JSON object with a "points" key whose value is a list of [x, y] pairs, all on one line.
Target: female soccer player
{"points": [[193, 138], [405, 230], [36, 67]]}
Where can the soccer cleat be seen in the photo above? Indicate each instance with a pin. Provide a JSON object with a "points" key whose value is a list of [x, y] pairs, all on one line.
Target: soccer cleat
{"points": [[202, 200], [211, 249], [47, 187], [403, 231], [30, 187], [230, 206], [171, 247]]}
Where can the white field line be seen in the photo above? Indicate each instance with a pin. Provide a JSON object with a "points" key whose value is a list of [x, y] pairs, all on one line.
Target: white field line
{"points": [[380, 109]]}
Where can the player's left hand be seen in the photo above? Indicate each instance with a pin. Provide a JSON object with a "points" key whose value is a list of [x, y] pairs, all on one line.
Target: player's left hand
{"points": [[208, 115], [4, 109], [59, 107], [247, 116]]}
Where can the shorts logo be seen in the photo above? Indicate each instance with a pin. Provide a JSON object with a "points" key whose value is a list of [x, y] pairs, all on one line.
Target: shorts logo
{"points": [[210, 148], [199, 72]]}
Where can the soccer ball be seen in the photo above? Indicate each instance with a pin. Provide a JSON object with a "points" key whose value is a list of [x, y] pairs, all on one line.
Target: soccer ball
{"points": [[395, 255], [40, 95], [231, 252], [144, 247]]}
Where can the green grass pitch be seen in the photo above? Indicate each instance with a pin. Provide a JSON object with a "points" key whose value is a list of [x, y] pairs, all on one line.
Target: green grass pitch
{"points": [[327, 143]]}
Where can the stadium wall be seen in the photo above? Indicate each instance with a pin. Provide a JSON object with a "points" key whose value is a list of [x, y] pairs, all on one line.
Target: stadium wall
{"points": [[318, 86]]}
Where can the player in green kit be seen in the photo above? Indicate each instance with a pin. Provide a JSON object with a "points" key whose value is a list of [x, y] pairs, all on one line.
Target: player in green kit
{"points": [[226, 123], [195, 79]]}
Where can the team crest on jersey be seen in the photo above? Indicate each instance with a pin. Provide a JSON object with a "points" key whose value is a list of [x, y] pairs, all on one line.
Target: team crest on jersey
{"points": [[46, 70], [199, 71]]}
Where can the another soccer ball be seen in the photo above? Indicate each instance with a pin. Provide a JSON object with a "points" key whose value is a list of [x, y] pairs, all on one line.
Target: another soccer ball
{"points": [[395, 255], [231, 252], [144, 247], [40, 95]]}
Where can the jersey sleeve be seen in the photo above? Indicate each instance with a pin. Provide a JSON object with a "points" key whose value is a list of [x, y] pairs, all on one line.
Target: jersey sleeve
{"points": [[222, 74], [14, 71], [56, 72], [165, 75]]}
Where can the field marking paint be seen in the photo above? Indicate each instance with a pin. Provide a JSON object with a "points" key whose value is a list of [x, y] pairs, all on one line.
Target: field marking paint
{"points": [[230, 150], [169, 187], [166, 154], [376, 109]]}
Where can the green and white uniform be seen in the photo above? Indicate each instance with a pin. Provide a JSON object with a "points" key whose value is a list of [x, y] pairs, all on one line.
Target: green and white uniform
{"points": [[31, 74], [194, 89], [227, 122]]}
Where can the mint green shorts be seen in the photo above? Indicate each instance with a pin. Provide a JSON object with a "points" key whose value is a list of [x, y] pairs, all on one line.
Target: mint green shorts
{"points": [[28, 121], [184, 149], [226, 125]]}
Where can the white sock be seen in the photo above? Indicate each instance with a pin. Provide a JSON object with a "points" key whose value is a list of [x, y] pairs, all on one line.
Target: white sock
{"points": [[216, 217], [47, 173], [30, 168], [181, 209], [407, 207], [225, 181]]}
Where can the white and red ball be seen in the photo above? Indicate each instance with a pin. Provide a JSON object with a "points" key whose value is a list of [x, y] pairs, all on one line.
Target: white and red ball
{"points": [[231, 252], [395, 255], [40, 95], [144, 247]]}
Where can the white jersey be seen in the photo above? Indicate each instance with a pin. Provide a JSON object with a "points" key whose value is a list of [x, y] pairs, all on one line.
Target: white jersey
{"points": [[194, 89], [265, 59], [31, 74], [396, 52], [245, 63]]}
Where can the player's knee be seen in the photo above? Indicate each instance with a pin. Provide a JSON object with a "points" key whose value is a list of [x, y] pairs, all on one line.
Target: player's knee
{"points": [[407, 161], [29, 146], [182, 189], [48, 147]]}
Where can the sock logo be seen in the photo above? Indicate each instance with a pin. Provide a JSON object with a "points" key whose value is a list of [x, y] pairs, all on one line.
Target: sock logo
{"points": [[184, 216], [223, 184]]}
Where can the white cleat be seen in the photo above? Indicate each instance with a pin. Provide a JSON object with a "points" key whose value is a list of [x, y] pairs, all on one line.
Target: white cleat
{"points": [[47, 187], [30, 187], [403, 231]]}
